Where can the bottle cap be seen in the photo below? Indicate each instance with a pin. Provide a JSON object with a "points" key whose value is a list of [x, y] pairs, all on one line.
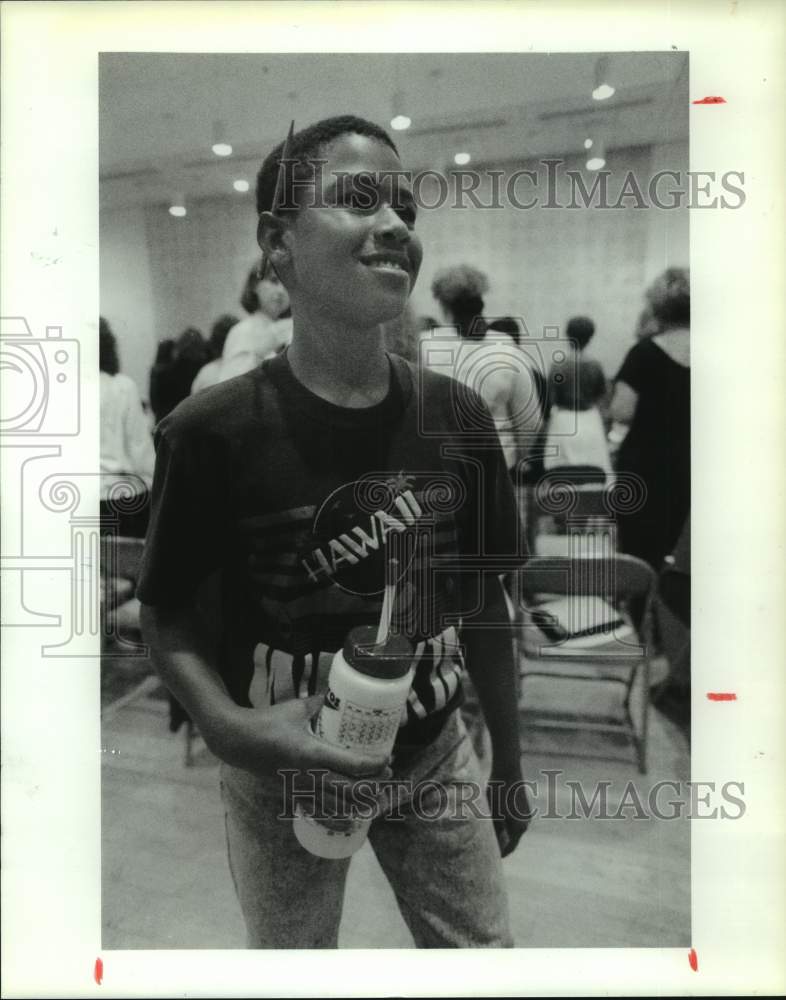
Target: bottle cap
{"points": [[388, 660]]}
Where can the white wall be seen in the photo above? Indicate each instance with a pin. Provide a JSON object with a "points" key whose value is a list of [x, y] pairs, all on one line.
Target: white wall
{"points": [[668, 238], [127, 291], [199, 263]]}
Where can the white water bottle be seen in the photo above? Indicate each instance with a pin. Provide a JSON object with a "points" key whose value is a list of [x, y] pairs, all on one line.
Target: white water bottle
{"points": [[367, 691]]}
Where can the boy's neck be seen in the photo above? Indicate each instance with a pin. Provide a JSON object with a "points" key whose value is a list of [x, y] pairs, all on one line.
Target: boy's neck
{"points": [[347, 367]]}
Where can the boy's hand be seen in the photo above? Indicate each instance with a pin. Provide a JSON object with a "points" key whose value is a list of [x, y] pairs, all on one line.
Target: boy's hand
{"points": [[510, 808], [270, 739]]}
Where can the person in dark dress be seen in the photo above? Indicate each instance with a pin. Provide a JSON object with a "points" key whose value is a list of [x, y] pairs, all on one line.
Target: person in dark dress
{"points": [[652, 396]]}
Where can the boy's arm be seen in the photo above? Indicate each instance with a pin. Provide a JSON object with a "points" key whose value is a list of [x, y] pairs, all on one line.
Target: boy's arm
{"points": [[258, 740], [186, 542], [488, 646]]}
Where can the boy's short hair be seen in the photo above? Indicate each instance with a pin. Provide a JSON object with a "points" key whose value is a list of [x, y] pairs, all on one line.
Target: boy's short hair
{"points": [[306, 145], [581, 329]]}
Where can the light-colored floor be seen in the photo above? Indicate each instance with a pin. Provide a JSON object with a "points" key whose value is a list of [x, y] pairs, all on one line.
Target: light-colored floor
{"points": [[572, 882]]}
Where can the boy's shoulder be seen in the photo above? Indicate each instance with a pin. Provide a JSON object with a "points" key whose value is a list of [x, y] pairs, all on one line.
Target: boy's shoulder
{"points": [[220, 410]]}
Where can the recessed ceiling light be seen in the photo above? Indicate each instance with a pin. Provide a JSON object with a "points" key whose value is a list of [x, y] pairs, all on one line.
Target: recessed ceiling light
{"points": [[588, 143], [222, 149], [603, 92], [241, 186], [603, 89], [596, 163], [400, 122], [461, 158], [177, 210]]}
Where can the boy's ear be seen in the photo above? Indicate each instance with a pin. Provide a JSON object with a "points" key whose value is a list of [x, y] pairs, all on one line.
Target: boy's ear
{"points": [[273, 237]]}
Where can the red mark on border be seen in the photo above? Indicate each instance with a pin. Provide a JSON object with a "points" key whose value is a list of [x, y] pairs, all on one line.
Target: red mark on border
{"points": [[693, 958], [711, 100], [98, 972], [721, 696]]}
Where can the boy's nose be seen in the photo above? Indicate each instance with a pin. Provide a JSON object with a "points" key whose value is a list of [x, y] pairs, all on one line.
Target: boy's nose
{"points": [[390, 226]]}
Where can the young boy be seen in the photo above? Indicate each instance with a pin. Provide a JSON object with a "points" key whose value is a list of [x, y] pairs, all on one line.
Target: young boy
{"points": [[292, 482]]}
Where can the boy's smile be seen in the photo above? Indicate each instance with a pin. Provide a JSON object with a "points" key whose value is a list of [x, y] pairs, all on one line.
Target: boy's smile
{"points": [[352, 245]]}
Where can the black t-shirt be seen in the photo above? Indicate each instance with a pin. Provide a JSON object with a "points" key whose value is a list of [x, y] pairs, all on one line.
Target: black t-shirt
{"points": [[297, 503]]}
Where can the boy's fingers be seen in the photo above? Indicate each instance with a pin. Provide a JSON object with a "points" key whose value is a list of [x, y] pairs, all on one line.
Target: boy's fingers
{"points": [[355, 763], [352, 763], [371, 783]]}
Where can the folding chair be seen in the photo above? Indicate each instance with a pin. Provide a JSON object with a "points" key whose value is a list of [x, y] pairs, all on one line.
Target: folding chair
{"points": [[587, 619], [577, 500]]}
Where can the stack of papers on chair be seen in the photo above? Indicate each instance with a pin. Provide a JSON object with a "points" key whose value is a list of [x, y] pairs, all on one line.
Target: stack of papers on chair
{"points": [[578, 622]]}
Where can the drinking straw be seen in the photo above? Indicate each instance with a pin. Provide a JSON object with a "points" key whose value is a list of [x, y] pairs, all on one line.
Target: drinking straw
{"points": [[388, 601]]}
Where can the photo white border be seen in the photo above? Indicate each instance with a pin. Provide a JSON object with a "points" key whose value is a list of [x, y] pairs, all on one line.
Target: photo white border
{"points": [[51, 734]]}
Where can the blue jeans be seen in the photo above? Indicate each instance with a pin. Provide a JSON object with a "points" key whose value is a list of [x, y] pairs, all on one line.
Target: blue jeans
{"points": [[446, 872]]}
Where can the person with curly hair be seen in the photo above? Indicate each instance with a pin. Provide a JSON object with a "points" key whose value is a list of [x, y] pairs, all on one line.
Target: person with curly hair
{"points": [[490, 363], [459, 290], [652, 397]]}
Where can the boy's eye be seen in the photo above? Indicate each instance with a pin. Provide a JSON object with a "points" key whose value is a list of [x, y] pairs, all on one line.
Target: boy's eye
{"points": [[360, 194], [407, 213], [363, 201]]}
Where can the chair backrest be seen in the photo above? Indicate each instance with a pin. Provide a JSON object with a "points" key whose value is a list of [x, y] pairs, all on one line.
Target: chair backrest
{"points": [[616, 578], [572, 491], [578, 475]]}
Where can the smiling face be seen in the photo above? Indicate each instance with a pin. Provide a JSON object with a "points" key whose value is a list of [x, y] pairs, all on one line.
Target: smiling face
{"points": [[352, 254]]}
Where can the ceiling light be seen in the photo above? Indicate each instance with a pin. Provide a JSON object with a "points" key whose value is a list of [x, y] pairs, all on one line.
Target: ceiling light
{"points": [[399, 119], [461, 158], [588, 143], [177, 206], [240, 185], [603, 90], [220, 145], [597, 159]]}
